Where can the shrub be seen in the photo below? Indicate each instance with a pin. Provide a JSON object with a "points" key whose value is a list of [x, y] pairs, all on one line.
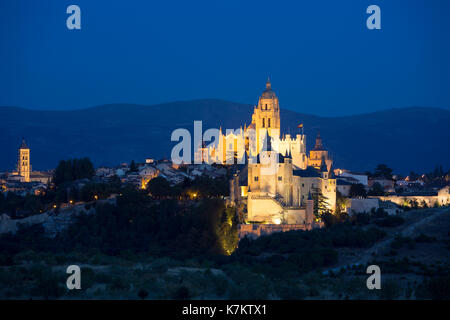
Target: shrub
{"points": [[436, 288], [182, 293], [389, 221], [424, 238], [142, 293]]}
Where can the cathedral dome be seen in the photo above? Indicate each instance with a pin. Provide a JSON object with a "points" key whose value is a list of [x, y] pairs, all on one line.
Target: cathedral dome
{"points": [[268, 93]]}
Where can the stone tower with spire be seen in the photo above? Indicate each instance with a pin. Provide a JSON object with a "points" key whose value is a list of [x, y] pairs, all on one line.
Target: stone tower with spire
{"points": [[318, 157], [24, 162], [266, 115], [250, 139]]}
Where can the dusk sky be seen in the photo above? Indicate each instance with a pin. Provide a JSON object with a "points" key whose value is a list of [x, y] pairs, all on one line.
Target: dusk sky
{"points": [[320, 55]]}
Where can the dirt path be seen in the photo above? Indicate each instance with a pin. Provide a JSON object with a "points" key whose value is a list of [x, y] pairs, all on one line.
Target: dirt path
{"points": [[414, 220]]}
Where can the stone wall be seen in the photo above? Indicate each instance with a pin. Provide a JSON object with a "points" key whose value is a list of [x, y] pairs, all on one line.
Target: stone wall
{"points": [[264, 209], [254, 231], [362, 205]]}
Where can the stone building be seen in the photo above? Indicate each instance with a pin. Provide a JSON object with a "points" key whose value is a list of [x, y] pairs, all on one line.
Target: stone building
{"points": [[277, 181], [265, 121], [319, 154], [439, 198], [23, 172]]}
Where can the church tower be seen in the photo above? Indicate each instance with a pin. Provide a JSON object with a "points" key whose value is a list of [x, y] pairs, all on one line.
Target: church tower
{"points": [[24, 162], [266, 116], [319, 155]]}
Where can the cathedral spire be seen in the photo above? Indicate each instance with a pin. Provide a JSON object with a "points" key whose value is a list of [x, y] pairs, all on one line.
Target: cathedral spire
{"points": [[323, 165], [267, 143], [24, 144], [318, 145]]}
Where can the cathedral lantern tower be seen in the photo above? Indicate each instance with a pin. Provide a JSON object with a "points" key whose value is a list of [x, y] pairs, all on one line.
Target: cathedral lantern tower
{"points": [[266, 116], [319, 155], [24, 162]]}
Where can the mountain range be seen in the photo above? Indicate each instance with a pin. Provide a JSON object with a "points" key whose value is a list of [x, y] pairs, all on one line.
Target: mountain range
{"points": [[405, 139]]}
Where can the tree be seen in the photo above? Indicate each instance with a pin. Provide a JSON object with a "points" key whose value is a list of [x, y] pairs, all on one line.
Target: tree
{"points": [[159, 188], [226, 231], [357, 190], [424, 204], [320, 203], [383, 171], [182, 293], [413, 176], [142, 293], [376, 190], [2, 201], [133, 167], [33, 204], [438, 171], [341, 202], [73, 169]]}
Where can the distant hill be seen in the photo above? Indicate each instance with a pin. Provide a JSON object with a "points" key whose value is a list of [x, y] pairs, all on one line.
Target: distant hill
{"points": [[405, 139]]}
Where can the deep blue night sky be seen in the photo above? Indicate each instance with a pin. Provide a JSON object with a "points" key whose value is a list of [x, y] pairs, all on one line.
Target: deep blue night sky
{"points": [[319, 54]]}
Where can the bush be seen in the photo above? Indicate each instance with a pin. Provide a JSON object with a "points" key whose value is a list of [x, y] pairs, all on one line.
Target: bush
{"points": [[436, 288], [389, 221], [220, 284], [361, 218], [390, 290], [421, 238], [288, 291], [142, 293], [182, 293], [400, 241]]}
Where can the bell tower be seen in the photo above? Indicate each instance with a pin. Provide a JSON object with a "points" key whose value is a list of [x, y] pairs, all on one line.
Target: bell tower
{"points": [[266, 116], [24, 162]]}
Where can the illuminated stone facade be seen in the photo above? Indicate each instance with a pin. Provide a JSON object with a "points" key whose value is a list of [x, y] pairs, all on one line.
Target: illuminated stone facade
{"points": [[279, 180], [24, 162], [231, 145]]}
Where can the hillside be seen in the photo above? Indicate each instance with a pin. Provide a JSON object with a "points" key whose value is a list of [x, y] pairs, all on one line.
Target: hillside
{"points": [[406, 139]]}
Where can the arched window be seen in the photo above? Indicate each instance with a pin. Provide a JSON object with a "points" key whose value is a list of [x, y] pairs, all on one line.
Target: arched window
{"points": [[264, 122], [268, 122]]}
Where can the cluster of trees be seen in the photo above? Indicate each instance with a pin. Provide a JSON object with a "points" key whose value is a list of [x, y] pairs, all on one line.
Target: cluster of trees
{"points": [[382, 171], [201, 187], [141, 224], [378, 217], [21, 206], [87, 192], [289, 254], [357, 190], [73, 169]]}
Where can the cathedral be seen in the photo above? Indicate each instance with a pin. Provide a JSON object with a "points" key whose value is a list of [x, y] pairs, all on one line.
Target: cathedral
{"points": [[278, 180]]}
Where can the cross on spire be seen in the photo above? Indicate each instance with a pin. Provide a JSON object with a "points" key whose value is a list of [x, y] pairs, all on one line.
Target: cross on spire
{"points": [[268, 84]]}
